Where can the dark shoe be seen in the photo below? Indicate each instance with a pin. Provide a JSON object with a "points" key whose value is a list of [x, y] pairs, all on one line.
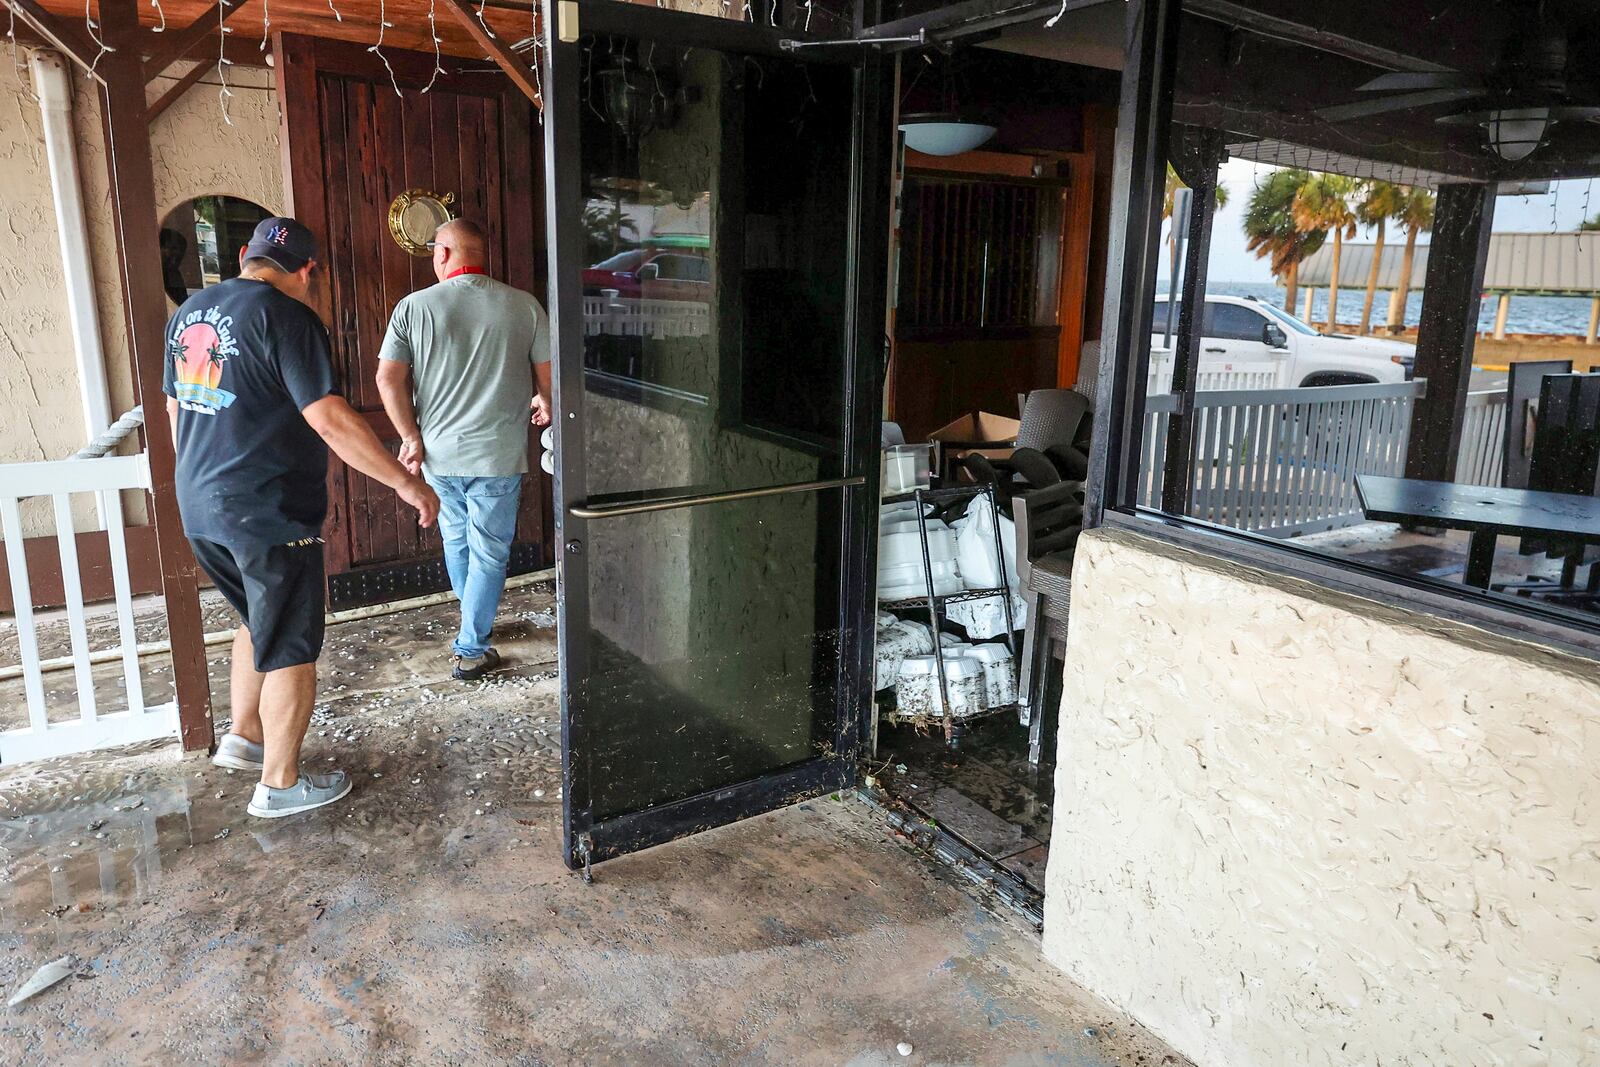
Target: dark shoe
{"points": [[470, 670]]}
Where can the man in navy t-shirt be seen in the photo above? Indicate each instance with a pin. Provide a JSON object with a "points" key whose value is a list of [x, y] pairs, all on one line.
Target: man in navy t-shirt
{"points": [[254, 409]]}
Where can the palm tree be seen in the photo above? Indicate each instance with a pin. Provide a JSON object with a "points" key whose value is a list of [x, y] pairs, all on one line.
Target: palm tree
{"points": [[1323, 203], [1269, 224], [1380, 202], [1416, 215], [1174, 183]]}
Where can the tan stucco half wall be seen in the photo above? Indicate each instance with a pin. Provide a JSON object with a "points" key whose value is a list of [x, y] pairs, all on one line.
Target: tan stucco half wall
{"points": [[195, 153], [1294, 827]]}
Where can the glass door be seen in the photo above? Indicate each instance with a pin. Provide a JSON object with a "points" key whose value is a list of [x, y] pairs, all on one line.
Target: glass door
{"points": [[718, 209]]}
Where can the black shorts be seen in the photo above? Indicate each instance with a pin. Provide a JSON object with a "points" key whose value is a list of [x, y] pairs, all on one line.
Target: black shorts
{"points": [[279, 592]]}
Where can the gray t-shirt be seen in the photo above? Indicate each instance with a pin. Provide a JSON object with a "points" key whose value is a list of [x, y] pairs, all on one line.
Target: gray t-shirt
{"points": [[471, 342]]}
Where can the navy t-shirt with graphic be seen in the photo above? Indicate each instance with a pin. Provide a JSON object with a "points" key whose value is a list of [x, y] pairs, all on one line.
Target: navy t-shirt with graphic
{"points": [[243, 359]]}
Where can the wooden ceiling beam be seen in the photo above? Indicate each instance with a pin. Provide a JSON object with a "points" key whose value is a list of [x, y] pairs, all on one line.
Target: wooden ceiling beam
{"points": [[58, 33], [186, 40], [515, 67], [176, 90]]}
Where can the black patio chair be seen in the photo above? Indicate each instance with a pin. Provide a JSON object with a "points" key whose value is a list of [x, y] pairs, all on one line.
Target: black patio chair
{"points": [[1566, 459]]}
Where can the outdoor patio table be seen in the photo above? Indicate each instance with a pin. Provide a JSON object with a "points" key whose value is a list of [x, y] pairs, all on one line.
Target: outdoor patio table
{"points": [[1486, 511]]}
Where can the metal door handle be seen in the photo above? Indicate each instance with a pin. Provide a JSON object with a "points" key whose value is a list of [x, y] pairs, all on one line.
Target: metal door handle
{"points": [[1218, 350], [608, 511]]}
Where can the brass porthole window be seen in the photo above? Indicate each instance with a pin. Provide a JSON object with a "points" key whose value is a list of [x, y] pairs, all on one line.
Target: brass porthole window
{"points": [[414, 216]]}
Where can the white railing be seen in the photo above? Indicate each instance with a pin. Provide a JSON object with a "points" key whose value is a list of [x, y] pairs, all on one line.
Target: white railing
{"points": [[1231, 374], [635, 317], [1282, 461], [1481, 460], [95, 725]]}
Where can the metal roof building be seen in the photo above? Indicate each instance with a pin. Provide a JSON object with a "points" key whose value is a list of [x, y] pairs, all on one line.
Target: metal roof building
{"points": [[1531, 264]]}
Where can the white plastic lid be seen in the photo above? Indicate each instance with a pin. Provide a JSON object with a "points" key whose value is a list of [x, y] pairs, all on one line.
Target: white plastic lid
{"points": [[958, 667], [990, 653]]}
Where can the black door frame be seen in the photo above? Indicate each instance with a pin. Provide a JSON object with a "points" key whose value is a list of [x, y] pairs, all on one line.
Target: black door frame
{"points": [[585, 840]]}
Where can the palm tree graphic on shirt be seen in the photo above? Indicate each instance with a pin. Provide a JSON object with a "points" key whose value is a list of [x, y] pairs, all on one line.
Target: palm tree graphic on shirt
{"points": [[198, 360]]}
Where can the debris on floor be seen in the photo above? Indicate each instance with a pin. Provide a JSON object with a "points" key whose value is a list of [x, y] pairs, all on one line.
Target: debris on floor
{"points": [[399, 926], [50, 974]]}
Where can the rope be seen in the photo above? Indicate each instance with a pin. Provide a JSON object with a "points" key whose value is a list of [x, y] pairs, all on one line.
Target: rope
{"points": [[113, 435]]}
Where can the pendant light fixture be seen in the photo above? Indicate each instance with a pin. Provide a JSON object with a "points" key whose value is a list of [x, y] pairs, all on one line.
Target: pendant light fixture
{"points": [[951, 129], [943, 133]]}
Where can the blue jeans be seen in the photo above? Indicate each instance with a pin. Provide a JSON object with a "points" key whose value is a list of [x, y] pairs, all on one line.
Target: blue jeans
{"points": [[477, 519]]}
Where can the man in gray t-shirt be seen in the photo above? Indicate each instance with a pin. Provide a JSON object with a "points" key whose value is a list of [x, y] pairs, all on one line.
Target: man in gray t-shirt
{"points": [[457, 372]]}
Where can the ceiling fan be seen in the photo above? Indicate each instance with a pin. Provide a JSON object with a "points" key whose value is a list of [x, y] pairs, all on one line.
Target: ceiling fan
{"points": [[1516, 102]]}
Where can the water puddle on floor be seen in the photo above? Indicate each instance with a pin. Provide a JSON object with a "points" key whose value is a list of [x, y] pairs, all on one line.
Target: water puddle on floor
{"points": [[437, 769]]}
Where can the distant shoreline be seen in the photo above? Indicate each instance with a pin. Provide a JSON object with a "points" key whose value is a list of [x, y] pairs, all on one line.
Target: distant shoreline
{"points": [[1529, 316]]}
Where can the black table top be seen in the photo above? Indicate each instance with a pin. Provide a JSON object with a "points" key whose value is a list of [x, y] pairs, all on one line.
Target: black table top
{"points": [[1477, 507]]}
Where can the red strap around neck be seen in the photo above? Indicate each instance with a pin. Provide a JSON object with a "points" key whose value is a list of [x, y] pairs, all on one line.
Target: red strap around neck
{"points": [[464, 270]]}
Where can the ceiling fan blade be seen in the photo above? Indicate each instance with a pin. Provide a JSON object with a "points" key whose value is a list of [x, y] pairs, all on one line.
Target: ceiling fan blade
{"points": [[1415, 81], [1403, 102]]}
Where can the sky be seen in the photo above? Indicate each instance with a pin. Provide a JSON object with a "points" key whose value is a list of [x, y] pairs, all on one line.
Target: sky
{"points": [[1231, 262]]}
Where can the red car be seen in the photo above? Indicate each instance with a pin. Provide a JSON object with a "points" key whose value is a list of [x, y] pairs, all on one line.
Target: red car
{"points": [[653, 274]]}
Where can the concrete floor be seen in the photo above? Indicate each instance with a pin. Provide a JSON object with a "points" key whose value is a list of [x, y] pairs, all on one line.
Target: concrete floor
{"points": [[428, 915]]}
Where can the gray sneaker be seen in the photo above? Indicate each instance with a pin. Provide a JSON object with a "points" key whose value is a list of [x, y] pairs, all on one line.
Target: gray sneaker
{"points": [[311, 791], [234, 751], [470, 670]]}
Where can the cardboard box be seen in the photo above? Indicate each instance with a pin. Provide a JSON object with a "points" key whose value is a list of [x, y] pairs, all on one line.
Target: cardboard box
{"points": [[981, 432]]}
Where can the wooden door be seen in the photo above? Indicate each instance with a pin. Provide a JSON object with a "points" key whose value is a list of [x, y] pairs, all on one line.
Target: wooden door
{"points": [[350, 146]]}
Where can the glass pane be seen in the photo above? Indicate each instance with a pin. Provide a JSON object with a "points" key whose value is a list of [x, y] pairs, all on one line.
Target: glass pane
{"points": [[712, 646], [1232, 322], [716, 221]]}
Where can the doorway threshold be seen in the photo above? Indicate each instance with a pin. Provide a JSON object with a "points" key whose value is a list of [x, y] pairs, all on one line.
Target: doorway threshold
{"points": [[949, 849]]}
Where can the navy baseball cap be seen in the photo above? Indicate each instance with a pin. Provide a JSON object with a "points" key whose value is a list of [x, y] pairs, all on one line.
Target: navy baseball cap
{"points": [[287, 243]]}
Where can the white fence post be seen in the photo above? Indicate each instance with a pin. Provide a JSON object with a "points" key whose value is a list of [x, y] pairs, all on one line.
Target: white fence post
{"points": [[92, 726]]}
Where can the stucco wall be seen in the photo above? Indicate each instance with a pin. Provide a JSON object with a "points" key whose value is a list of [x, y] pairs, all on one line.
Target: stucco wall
{"points": [[195, 153], [1294, 827]]}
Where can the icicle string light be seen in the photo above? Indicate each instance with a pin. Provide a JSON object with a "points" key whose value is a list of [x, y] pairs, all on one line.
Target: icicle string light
{"points": [[94, 35], [433, 31], [376, 48], [16, 51], [162, 15], [266, 22], [1584, 221], [223, 62], [336, 16]]}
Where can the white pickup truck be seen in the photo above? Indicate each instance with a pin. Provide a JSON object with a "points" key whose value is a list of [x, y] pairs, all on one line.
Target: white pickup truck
{"points": [[1251, 344]]}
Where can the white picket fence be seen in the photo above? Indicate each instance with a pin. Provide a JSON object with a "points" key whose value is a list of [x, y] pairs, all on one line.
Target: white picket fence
{"points": [[635, 317], [1244, 374], [98, 722], [1284, 461]]}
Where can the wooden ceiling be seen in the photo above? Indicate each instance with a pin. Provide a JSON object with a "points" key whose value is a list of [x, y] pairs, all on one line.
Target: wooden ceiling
{"points": [[349, 20]]}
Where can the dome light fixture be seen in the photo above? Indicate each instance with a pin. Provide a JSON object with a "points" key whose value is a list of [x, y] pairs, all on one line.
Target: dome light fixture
{"points": [[943, 133]]}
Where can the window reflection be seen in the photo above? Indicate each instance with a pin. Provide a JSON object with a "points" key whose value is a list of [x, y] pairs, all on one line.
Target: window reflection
{"points": [[715, 226]]}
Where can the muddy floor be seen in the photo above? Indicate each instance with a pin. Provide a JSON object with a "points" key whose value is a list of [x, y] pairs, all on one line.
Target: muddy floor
{"points": [[428, 916]]}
